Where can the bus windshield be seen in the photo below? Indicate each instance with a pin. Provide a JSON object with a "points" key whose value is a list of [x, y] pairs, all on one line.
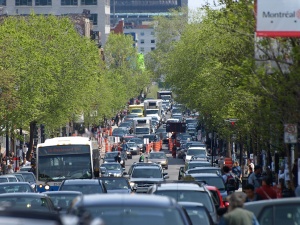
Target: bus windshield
{"points": [[56, 163]]}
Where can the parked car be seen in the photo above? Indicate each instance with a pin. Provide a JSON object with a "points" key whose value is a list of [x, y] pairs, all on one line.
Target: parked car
{"points": [[160, 158], [114, 169], [85, 186], [62, 199], [284, 211], [28, 201], [219, 201], [116, 185], [197, 213], [13, 187], [119, 209]]}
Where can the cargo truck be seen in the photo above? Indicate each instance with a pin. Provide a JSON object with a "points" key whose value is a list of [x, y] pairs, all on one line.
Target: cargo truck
{"points": [[153, 108], [142, 126]]}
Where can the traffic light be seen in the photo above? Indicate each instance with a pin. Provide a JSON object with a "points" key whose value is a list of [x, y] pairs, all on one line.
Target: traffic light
{"points": [[232, 123], [42, 133]]}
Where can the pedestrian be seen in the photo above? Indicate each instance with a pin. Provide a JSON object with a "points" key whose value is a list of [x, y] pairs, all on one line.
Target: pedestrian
{"points": [[9, 169], [142, 158], [266, 191], [236, 215], [295, 173], [237, 171], [251, 194], [255, 177], [230, 181], [118, 158], [287, 190], [124, 149], [174, 148], [33, 169]]}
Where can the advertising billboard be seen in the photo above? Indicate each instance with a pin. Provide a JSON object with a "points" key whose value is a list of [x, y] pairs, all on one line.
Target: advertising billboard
{"points": [[278, 18]]}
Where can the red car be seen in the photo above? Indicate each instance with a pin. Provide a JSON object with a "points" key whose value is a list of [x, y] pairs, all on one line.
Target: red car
{"points": [[217, 197]]}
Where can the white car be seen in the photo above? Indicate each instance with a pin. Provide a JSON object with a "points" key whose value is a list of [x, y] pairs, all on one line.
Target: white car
{"points": [[195, 151]]}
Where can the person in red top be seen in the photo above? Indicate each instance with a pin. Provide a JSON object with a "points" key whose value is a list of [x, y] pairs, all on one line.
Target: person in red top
{"points": [[266, 191]]}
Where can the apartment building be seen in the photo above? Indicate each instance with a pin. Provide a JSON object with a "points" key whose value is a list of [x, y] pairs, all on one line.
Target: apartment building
{"points": [[98, 11]]}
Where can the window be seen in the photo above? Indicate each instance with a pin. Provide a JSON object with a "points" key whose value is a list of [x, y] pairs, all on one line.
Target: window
{"points": [[152, 49], [94, 18], [24, 2], [69, 2], [88, 2], [152, 33], [2, 2], [43, 2], [152, 41], [142, 33], [142, 41]]}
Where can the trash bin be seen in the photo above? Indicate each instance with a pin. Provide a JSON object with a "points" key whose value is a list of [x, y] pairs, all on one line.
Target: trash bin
{"points": [[244, 182]]}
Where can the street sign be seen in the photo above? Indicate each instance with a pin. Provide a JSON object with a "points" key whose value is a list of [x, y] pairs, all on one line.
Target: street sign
{"points": [[290, 133], [176, 127]]}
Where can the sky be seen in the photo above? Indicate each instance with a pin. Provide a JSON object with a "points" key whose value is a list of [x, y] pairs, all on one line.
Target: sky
{"points": [[193, 4]]}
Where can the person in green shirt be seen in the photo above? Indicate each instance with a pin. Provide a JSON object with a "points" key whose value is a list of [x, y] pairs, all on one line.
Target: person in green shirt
{"points": [[142, 157]]}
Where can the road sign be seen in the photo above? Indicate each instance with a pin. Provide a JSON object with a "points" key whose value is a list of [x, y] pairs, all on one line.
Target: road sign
{"points": [[290, 133]]}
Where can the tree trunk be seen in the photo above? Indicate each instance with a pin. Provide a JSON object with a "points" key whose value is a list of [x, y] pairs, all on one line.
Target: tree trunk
{"points": [[31, 141]]}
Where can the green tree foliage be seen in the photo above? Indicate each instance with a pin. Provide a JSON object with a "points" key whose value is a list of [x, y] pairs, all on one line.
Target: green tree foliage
{"points": [[126, 78], [217, 66], [56, 69]]}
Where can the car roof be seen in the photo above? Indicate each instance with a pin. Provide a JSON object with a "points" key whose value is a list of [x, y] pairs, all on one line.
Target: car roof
{"points": [[205, 175], [7, 175], [179, 186], [116, 163], [257, 206], [157, 153], [62, 192], [205, 168], [23, 194], [191, 204], [12, 183], [81, 181], [197, 148], [199, 161], [128, 200], [146, 167]]}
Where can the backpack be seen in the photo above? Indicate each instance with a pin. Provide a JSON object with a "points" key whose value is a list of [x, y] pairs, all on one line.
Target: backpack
{"points": [[232, 182]]}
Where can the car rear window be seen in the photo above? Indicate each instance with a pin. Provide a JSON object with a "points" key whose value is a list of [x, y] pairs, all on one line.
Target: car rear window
{"points": [[189, 196], [84, 189]]}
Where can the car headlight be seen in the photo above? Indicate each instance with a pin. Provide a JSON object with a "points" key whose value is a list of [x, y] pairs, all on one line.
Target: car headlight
{"points": [[33, 186], [132, 184], [121, 162], [163, 162], [105, 161], [47, 187]]}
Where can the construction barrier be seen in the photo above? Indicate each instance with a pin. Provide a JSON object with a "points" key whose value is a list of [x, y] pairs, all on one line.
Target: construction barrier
{"points": [[160, 145], [170, 144], [110, 131], [156, 146]]}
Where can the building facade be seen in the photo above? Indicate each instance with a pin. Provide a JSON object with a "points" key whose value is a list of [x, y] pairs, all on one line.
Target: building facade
{"points": [[97, 10]]}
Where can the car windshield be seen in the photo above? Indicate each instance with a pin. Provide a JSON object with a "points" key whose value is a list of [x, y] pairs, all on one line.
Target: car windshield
{"points": [[62, 201], [113, 184], [197, 152], [3, 180], [142, 130], [137, 140], [115, 166], [118, 131], [189, 196], [212, 181], [124, 125], [131, 144], [136, 215], [11, 188], [26, 202], [83, 188], [151, 111], [157, 156], [198, 215], [29, 177], [110, 155], [137, 111], [146, 173]]}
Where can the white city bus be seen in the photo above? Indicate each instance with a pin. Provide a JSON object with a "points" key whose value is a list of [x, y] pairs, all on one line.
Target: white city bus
{"points": [[64, 158]]}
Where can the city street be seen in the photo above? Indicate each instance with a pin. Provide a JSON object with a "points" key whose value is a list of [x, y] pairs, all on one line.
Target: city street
{"points": [[174, 164]]}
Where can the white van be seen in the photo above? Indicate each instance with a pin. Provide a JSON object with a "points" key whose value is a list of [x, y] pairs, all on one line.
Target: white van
{"points": [[195, 151]]}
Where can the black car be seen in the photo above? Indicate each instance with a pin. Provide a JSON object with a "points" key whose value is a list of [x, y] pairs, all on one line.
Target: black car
{"points": [[197, 213], [119, 132], [62, 199], [28, 201], [116, 185], [186, 192], [119, 209], [85, 186]]}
